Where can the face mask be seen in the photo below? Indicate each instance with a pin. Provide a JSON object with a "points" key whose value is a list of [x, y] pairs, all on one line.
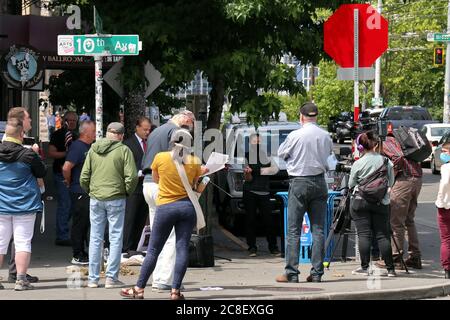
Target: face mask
{"points": [[445, 157]]}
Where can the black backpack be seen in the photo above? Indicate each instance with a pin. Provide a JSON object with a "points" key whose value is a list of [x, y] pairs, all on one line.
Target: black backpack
{"points": [[374, 187]]}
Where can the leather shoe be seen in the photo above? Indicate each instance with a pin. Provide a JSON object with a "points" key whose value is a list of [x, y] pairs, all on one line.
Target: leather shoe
{"points": [[312, 278], [12, 278], [414, 262], [285, 278]]}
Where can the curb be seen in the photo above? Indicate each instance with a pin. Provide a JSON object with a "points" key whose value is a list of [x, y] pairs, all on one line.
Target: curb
{"points": [[413, 293]]}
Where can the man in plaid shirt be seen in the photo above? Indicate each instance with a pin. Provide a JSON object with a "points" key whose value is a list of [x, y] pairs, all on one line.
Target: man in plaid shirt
{"points": [[404, 194]]}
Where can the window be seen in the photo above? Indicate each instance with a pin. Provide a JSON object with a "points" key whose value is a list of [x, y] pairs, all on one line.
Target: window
{"points": [[439, 131]]}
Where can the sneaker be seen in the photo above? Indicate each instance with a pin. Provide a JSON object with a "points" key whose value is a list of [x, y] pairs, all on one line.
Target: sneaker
{"points": [[360, 271], [80, 260], [391, 273], [112, 284], [252, 252], [92, 284], [275, 252], [22, 285], [12, 278]]}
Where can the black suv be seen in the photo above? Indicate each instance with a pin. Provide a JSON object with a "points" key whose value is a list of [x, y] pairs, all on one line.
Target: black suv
{"points": [[231, 209]]}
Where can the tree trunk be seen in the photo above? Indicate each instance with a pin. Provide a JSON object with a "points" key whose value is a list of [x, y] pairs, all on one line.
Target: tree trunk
{"points": [[217, 101], [133, 109]]}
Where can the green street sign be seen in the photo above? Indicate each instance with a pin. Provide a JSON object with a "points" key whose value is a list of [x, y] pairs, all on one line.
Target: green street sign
{"points": [[443, 37], [377, 101], [94, 45]]}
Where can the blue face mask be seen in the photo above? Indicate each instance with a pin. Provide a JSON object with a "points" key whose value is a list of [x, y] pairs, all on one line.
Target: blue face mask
{"points": [[445, 157]]}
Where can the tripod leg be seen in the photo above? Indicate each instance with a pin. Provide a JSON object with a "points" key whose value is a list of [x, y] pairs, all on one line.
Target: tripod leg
{"points": [[400, 253], [334, 250]]}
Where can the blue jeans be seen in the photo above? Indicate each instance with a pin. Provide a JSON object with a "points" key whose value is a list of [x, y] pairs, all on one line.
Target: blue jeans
{"points": [[306, 194], [181, 215], [113, 212], [63, 209]]}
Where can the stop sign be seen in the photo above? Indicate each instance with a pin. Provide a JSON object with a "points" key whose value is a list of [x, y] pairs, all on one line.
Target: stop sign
{"points": [[338, 34]]}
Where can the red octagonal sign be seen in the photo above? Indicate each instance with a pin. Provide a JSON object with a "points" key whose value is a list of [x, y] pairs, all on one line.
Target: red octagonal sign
{"points": [[338, 34]]}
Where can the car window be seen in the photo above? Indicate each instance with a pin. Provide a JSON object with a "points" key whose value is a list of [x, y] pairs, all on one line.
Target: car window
{"points": [[445, 138], [439, 131], [270, 141], [408, 114]]}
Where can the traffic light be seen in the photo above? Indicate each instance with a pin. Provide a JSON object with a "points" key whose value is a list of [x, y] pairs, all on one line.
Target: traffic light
{"points": [[438, 57]]}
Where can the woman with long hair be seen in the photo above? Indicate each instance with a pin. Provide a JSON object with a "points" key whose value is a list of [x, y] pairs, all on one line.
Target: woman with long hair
{"points": [[371, 218], [174, 210]]}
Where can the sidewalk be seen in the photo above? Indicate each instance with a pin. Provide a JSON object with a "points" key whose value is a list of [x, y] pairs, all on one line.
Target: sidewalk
{"points": [[242, 278]]}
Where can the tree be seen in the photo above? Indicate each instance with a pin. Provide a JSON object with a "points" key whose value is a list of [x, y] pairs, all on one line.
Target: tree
{"points": [[237, 43], [408, 74]]}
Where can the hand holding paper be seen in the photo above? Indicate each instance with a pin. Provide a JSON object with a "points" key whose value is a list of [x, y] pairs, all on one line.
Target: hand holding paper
{"points": [[216, 162]]}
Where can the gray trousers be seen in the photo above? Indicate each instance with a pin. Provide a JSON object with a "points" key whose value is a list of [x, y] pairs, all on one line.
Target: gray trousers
{"points": [[306, 194]]}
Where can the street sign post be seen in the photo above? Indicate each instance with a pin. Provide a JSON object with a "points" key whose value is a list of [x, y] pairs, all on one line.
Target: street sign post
{"points": [[99, 45], [355, 36]]}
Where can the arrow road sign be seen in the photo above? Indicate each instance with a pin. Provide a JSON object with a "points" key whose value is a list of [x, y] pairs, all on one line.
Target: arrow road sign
{"points": [[94, 45]]}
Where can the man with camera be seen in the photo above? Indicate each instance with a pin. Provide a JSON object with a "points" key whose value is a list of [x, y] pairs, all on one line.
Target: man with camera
{"points": [[404, 194]]}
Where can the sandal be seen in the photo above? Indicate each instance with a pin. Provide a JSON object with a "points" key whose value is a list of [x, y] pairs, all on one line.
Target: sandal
{"points": [[176, 295], [132, 293]]}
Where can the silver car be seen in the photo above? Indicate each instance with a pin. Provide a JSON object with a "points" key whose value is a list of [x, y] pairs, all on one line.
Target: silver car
{"points": [[436, 155]]}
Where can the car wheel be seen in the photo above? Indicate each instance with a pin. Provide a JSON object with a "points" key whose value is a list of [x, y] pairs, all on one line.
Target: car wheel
{"points": [[433, 166]]}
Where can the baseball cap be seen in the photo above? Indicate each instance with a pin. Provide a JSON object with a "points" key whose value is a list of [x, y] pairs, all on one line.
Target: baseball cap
{"points": [[116, 127], [309, 109]]}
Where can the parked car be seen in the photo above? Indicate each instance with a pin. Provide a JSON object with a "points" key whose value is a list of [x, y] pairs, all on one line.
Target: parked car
{"points": [[231, 209], [434, 133], [436, 163], [408, 116]]}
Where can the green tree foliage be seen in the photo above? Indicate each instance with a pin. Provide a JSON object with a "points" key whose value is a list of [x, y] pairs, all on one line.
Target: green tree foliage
{"points": [[237, 43], [408, 74]]}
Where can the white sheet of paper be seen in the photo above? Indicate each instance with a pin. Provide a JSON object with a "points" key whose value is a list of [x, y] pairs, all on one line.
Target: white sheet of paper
{"points": [[216, 162]]}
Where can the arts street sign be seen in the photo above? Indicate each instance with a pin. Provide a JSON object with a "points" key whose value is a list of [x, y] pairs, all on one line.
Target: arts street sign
{"points": [[99, 45]]}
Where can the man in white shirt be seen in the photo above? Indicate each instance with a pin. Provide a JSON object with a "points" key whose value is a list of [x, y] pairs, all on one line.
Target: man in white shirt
{"points": [[306, 151]]}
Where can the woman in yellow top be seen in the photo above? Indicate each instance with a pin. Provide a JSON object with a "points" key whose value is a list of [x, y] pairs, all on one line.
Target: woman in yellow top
{"points": [[174, 209]]}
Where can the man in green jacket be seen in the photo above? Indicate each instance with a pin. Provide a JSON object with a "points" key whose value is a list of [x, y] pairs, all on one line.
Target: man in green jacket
{"points": [[109, 175]]}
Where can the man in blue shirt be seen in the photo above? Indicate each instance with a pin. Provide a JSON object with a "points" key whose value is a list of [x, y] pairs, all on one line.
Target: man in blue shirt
{"points": [[80, 199]]}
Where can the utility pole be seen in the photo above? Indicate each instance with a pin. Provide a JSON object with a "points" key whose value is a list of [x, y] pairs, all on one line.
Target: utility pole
{"points": [[447, 72], [378, 63]]}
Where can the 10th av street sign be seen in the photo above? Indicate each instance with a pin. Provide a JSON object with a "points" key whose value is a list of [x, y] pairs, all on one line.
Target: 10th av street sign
{"points": [[95, 45]]}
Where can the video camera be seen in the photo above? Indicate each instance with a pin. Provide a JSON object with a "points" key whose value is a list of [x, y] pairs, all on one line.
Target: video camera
{"points": [[345, 160]]}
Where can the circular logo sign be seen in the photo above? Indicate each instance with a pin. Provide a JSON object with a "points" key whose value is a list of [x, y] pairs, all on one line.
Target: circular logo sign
{"points": [[22, 67]]}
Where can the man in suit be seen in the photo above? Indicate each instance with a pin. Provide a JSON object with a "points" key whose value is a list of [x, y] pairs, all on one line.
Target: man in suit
{"points": [[136, 212]]}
